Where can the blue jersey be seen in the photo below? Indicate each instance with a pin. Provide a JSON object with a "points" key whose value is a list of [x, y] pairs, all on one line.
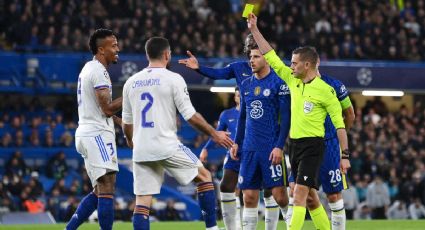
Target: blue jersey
{"points": [[238, 70], [265, 113], [228, 122], [342, 94]]}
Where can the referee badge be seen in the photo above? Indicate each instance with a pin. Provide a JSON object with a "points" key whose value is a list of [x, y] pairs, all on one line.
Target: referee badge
{"points": [[257, 90], [308, 106]]}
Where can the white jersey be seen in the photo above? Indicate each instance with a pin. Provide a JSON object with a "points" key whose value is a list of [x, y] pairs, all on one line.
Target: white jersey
{"points": [[150, 100], [91, 119]]}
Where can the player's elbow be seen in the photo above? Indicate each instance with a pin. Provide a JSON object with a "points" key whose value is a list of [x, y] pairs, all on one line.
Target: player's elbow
{"points": [[108, 113]]}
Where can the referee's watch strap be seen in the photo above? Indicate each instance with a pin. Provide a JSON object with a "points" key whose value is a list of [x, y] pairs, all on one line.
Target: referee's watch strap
{"points": [[345, 154]]}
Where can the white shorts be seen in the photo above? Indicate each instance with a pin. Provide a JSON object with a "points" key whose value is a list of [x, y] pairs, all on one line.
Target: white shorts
{"points": [[99, 153], [149, 175]]}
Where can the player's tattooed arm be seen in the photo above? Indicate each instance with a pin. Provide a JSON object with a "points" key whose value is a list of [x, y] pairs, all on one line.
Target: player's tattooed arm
{"points": [[109, 107]]}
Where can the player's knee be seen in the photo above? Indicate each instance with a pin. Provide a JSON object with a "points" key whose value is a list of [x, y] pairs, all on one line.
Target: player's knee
{"points": [[106, 184], [333, 197], [282, 200], [311, 204], [203, 175], [250, 199], [226, 187], [267, 193]]}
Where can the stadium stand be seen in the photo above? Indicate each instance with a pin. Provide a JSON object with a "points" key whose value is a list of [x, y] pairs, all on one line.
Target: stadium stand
{"points": [[339, 29]]}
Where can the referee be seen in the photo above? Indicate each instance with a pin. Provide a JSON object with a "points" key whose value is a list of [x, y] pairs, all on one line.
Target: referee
{"points": [[311, 100]]}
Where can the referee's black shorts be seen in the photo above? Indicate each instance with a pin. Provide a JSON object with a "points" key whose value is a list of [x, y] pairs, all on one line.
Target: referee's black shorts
{"points": [[306, 155]]}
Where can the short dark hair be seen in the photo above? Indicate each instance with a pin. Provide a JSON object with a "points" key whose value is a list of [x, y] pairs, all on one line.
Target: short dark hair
{"points": [[307, 53], [96, 37], [249, 45], [155, 46]]}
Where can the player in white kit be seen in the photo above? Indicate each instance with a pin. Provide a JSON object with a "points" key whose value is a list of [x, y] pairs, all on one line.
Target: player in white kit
{"points": [[151, 99], [95, 135]]}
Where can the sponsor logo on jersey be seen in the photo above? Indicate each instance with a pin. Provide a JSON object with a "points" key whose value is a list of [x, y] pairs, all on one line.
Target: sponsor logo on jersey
{"points": [[308, 106], [257, 90], [240, 179], [284, 90], [257, 109], [266, 92], [342, 89]]}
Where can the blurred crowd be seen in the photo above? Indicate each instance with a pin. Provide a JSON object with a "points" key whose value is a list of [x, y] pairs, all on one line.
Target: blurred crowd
{"points": [[388, 162], [340, 29], [32, 124]]}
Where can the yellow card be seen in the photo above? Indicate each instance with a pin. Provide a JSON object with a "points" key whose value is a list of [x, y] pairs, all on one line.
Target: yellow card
{"points": [[248, 9]]}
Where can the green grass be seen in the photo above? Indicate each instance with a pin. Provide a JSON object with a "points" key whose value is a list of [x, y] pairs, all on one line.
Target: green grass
{"points": [[351, 225]]}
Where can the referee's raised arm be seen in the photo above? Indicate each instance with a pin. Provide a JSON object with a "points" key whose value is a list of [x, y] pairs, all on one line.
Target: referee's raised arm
{"points": [[270, 55]]}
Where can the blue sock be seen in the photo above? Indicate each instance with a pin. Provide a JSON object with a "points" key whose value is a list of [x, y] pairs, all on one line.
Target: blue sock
{"points": [[141, 218], [86, 207], [105, 211], [207, 199]]}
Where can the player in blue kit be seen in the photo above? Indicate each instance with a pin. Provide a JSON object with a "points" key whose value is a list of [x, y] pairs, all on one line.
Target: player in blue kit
{"points": [[239, 70], [333, 181], [230, 204], [262, 130]]}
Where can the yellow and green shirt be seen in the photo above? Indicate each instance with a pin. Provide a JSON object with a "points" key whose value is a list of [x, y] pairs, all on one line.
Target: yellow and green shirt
{"points": [[310, 102]]}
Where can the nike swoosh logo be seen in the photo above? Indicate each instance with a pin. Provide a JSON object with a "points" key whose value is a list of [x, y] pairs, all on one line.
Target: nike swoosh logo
{"points": [[246, 93], [245, 74]]}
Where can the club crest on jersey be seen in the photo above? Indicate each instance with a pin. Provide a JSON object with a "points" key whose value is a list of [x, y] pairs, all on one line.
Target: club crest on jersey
{"points": [[266, 92], [257, 90], [308, 106], [240, 179], [105, 73]]}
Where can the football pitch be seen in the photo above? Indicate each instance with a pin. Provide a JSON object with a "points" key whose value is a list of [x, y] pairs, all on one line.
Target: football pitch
{"points": [[351, 225]]}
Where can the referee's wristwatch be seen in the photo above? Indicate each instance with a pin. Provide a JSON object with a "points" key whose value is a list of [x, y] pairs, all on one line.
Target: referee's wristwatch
{"points": [[345, 154]]}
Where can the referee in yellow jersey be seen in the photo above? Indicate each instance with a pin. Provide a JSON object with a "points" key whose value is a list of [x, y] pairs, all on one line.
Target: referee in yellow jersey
{"points": [[311, 100]]}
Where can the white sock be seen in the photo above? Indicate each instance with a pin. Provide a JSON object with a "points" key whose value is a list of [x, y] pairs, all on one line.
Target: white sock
{"points": [[250, 218], [238, 216], [228, 210], [213, 228], [338, 217], [289, 212], [272, 213]]}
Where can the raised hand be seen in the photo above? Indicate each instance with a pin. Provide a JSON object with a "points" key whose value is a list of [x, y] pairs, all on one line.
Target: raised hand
{"points": [[190, 62], [276, 156], [252, 21]]}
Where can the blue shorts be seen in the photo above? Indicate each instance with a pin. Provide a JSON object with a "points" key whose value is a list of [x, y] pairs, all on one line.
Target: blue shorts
{"points": [[331, 178], [257, 171], [231, 164]]}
